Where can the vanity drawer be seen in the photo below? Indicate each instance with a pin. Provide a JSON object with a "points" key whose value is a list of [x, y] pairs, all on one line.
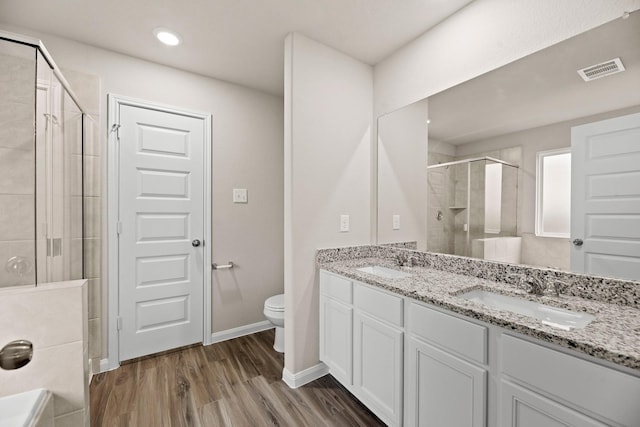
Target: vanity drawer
{"points": [[336, 287], [382, 305], [592, 387], [452, 333]]}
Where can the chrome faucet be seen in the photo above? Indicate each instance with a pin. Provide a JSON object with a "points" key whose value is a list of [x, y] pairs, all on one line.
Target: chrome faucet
{"points": [[405, 260], [533, 285], [536, 286], [16, 354], [559, 287]]}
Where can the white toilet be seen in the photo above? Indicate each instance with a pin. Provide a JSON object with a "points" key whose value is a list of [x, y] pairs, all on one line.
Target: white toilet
{"points": [[274, 312]]}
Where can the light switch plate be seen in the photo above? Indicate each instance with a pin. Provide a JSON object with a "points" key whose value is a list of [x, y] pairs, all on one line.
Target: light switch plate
{"points": [[396, 222], [240, 195], [344, 223]]}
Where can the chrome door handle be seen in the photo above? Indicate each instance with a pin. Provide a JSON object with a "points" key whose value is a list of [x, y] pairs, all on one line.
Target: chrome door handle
{"points": [[577, 242], [195, 243]]}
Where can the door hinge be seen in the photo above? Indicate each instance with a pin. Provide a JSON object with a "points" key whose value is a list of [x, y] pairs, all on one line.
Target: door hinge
{"points": [[119, 323], [116, 128], [119, 228]]}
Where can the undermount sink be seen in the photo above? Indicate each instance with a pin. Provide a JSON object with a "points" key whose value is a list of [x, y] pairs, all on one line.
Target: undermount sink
{"points": [[380, 271], [550, 316]]}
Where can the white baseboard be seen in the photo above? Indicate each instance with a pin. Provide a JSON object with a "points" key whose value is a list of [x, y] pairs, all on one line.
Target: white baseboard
{"points": [[240, 331], [306, 376]]}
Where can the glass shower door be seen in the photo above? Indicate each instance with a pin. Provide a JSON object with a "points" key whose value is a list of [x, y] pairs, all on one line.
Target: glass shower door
{"points": [[59, 189], [41, 171]]}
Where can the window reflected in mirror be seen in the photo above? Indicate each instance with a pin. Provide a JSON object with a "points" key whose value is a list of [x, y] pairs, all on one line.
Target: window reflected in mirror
{"points": [[553, 195]]}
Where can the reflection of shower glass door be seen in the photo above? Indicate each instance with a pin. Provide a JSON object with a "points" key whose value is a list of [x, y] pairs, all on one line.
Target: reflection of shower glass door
{"points": [[477, 212], [438, 217], [470, 200], [460, 196]]}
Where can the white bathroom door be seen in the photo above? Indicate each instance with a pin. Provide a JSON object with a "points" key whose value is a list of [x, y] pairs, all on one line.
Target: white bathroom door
{"points": [[605, 198], [161, 214]]}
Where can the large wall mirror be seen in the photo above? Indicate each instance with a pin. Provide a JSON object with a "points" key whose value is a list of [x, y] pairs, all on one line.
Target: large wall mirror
{"points": [[528, 164]]}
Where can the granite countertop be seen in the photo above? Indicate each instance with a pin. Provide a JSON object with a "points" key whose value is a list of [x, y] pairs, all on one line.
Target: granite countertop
{"points": [[614, 335]]}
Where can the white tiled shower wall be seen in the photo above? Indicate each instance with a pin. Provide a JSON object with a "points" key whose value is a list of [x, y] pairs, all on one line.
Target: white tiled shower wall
{"points": [[17, 155], [53, 317]]}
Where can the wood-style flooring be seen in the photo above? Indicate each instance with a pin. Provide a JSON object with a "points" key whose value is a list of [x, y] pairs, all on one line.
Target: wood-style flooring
{"points": [[233, 383]]}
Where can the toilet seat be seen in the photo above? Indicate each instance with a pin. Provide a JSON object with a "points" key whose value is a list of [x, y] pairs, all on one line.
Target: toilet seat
{"points": [[275, 303]]}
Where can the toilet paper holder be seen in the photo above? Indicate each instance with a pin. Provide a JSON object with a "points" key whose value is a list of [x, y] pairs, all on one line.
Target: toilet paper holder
{"points": [[222, 267]]}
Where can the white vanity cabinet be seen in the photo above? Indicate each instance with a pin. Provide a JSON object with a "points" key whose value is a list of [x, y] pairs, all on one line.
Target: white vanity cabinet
{"points": [[378, 352], [336, 326], [414, 364], [540, 386], [446, 380], [523, 408], [361, 342]]}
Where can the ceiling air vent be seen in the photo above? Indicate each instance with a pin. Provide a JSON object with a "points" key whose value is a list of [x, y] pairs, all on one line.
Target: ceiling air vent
{"points": [[603, 69]]}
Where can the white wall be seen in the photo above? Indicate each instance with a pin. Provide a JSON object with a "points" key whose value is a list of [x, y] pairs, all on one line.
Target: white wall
{"points": [[247, 153], [402, 174], [481, 37], [328, 119]]}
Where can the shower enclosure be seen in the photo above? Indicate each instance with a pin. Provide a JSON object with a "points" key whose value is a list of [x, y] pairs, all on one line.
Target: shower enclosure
{"points": [[41, 168], [472, 203]]}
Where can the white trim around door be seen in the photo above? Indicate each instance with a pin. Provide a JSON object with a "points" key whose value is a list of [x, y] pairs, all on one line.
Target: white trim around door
{"points": [[115, 102]]}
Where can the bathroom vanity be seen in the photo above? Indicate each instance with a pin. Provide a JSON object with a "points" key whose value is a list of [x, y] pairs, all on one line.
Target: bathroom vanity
{"points": [[415, 351]]}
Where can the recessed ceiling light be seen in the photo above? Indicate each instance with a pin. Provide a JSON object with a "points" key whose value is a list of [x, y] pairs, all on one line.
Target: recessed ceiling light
{"points": [[167, 37]]}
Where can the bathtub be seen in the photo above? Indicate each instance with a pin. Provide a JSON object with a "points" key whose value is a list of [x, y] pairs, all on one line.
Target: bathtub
{"points": [[29, 409]]}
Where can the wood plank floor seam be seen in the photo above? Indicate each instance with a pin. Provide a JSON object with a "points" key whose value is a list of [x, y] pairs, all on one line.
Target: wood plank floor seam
{"points": [[234, 383]]}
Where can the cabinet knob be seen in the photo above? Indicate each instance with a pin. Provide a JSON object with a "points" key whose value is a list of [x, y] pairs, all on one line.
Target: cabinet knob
{"points": [[577, 242]]}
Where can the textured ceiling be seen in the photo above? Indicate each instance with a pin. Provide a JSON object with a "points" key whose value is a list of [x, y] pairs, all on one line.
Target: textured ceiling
{"points": [[235, 40]]}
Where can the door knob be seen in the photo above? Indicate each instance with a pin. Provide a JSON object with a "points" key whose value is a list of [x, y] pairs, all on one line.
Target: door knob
{"points": [[577, 242], [195, 243]]}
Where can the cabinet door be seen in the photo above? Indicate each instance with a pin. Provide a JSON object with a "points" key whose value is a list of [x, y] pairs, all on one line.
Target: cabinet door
{"points": [[580, 383], [378, 367], [524, 408], [443, 390], [336, 340]]}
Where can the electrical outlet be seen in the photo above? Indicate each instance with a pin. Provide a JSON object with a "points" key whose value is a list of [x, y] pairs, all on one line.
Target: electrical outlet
{"points": [[396, 222], [344, 223], [240, 195]]}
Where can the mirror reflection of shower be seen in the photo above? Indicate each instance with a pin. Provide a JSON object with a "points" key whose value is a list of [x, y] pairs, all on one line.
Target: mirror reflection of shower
{"points": [[472, 209]]}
